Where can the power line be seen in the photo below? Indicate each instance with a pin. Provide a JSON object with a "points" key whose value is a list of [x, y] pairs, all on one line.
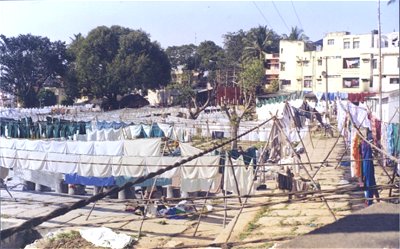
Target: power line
{"points": [[295, 12], [283, 20], [262, 14]]}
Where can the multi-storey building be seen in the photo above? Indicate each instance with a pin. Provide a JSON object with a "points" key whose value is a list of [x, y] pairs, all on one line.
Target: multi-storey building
{"points": [[341, 62]]}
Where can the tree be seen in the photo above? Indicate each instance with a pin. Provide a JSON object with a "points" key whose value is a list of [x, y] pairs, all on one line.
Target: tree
{"points": [[273, 86], [250, 78], [27, 62], [111, 61], [184, 55], [260, 40], [210, 55], [296, 34], [47, 98], [234, 46]]}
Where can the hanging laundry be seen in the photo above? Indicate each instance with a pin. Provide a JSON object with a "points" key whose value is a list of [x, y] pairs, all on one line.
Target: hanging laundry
{"points": [[368, 170]]}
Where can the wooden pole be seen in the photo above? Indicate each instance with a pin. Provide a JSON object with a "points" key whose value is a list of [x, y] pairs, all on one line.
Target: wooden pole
{"points": [[146, 206], [308, 174], [329, 153], [298, 133], [246, 199], [94, 204], [235, 179], [225, 212], [201, 212]]}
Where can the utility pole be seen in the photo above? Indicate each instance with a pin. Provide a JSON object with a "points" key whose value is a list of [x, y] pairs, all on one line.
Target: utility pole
{"points": [[326, 87], [380, 59]]}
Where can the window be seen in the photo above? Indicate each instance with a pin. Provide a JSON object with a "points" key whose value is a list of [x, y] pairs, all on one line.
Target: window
{"points": [[319, 62], [356, 44], [374, 63], [331, 41], [346, 45], [283, 66], [305, 63], [285, 82], [351, 82], [281, 50], [349, 63], [307, 81], [394, 80]]}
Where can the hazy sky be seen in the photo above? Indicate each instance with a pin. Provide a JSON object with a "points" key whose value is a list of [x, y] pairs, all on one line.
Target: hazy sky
{"points": [[183, 22]]}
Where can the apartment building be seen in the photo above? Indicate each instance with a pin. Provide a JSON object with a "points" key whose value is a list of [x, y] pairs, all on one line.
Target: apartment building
{"points": [[341, 62]]}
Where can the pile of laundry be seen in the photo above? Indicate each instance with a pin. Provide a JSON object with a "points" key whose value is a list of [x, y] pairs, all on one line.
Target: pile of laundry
{"points": [[182, 210]]}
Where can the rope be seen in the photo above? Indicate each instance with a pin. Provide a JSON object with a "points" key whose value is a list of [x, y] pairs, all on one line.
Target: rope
{"points": [[82, 203]]}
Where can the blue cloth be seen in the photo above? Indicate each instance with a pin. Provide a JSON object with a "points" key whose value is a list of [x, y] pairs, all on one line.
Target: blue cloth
{"points": [[368, 171], [156, 131], [173, 213], [121, 180], [91, 181]]}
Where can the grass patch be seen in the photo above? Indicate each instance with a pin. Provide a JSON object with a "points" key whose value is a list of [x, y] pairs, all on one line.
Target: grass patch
{"points": [[253, 225], [162, 222], [268, 245]]}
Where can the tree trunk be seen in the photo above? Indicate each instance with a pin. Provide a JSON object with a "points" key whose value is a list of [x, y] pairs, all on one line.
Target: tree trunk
{"points": [[234, 133]]}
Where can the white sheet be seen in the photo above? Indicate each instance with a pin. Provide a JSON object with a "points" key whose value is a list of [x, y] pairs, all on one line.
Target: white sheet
{"points": [[66, 164], [98, 166], [32, 160], [244, 177], [8, 158], [143, 147], [128, 166]]}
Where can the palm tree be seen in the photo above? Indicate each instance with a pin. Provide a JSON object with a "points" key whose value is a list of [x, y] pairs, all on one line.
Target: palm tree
{"points": [[258, 41], [296, 34]]}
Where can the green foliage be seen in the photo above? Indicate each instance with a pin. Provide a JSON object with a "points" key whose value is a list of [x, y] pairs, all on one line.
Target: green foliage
{"points": [[296, 34], [251, 76], [273, 86], [111, 61], [234, 46], [258, 41], [184, 55], [184, 93], [47, 98], [27, 62], [210, 55]]}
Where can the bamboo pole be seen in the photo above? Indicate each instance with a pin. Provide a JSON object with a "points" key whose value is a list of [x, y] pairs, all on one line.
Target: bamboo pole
{"points": [[252, 183], [312, 180], [146, 206], [201, 211], [301, 140], [225, 213], [329, 153], [235, 179]]}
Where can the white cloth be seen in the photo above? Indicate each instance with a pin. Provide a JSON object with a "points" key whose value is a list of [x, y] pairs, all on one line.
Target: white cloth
{"points": [[98, 166], [109, 148], [32, 160], [143, 147], [66, 164], [244, 177], [105, 237], [128, 166], [8, 158]]}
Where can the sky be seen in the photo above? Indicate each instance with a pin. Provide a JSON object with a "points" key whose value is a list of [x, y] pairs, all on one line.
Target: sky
{"points": [[174, 23]]}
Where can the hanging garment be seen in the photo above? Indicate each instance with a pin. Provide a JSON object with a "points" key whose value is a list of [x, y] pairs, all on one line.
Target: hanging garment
{"points": [[356, 155], [244, 177], [89, 181], [368, 171]]}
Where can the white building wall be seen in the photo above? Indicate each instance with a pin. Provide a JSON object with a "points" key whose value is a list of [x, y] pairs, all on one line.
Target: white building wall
{"points": [[339, 50]]}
